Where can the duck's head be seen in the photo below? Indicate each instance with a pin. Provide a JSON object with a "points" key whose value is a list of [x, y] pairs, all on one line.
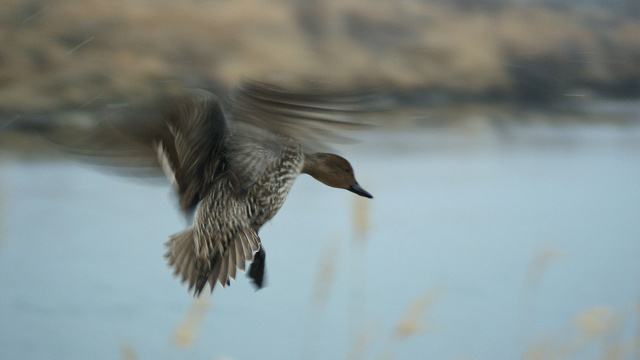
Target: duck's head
{"points": [[333, 170]]}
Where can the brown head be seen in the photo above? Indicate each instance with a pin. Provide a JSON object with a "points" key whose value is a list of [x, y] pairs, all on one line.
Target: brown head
{"points": [[333, 170]]}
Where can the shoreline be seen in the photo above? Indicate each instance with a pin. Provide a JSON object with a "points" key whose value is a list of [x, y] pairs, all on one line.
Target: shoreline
{"points": [[63, 56], [24, 137]]}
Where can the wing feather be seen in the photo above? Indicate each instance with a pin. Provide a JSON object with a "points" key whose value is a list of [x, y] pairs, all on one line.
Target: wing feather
{"points": [[191, 140], [232, 260], [240, 263], [258, 113], [213, 275], [223, 276], [311, 118]]}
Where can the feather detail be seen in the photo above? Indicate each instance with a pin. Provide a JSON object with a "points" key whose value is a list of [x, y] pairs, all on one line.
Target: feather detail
{"points": [[181, 257], [223, 276], [232, 260], [240, 263]]}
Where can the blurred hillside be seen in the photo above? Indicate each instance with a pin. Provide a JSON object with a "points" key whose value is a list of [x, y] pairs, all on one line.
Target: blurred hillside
{"points": [[62, 55]]}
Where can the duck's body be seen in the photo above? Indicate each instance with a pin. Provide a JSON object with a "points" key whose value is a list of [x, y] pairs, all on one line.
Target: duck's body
{"points": [[226, 225], [235, 169]]}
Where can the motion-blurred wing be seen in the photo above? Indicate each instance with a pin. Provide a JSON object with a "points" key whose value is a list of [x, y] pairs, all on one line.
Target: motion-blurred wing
{"points": [[259, 113], [182, 137], [191, 147]]}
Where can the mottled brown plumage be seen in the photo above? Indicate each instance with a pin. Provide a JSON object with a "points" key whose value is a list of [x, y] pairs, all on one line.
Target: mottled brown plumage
{"points": [[235, 169]]}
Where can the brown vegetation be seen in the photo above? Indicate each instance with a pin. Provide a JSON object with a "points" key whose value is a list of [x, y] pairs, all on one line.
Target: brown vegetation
{"points": [[62, 54]]}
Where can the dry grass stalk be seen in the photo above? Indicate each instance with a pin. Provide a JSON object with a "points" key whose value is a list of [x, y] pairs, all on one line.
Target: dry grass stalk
{"points": [[598, 321], [615, 352], [361, 222], [186, 331], [538, 352], [597, 328], [327, 266], [357, 276], [411, 322], [364, 341], [539, 263], [127, 352], [533, 278]]}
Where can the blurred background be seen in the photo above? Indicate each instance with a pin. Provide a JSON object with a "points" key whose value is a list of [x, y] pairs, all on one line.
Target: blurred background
{"points": [[506, 177]]}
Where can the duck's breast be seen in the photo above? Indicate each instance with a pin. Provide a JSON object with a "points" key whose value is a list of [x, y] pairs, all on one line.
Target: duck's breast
{"points": [[268, 194]]}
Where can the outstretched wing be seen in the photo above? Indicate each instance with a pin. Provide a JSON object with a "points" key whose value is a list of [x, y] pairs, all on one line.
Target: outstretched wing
{"points": [[183, 136], [191, 140], [259, 114], [191, 145]]}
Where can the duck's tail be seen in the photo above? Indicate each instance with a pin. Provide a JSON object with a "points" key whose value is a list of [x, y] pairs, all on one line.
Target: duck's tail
{"points": [[181, 257], [197, 271]]}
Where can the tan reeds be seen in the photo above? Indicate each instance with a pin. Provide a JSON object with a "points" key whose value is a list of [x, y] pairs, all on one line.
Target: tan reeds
{"points": [[358, 277], [361, 223], [364, 341], [412, 321], [325, 277], [408, 44], [597, 321], [186, 332], [596, 331], [531, 287], [127, 352], [539, 263]]}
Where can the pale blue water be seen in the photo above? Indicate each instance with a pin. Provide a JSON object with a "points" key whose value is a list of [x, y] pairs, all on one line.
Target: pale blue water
{"points": [[460, 213]]}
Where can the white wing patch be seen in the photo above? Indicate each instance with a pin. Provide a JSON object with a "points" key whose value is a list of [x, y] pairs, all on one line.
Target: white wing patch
{"points": [[165, 163]]}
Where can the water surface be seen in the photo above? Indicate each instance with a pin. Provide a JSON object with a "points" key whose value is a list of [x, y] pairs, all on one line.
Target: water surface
{"points": [[511, 234]]}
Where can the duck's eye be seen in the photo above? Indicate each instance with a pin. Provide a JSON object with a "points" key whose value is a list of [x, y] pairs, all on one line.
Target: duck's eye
{"points": [[347, 170]]}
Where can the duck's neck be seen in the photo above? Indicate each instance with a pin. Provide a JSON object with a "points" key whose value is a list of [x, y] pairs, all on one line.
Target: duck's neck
{"points": [[312, 164]]}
